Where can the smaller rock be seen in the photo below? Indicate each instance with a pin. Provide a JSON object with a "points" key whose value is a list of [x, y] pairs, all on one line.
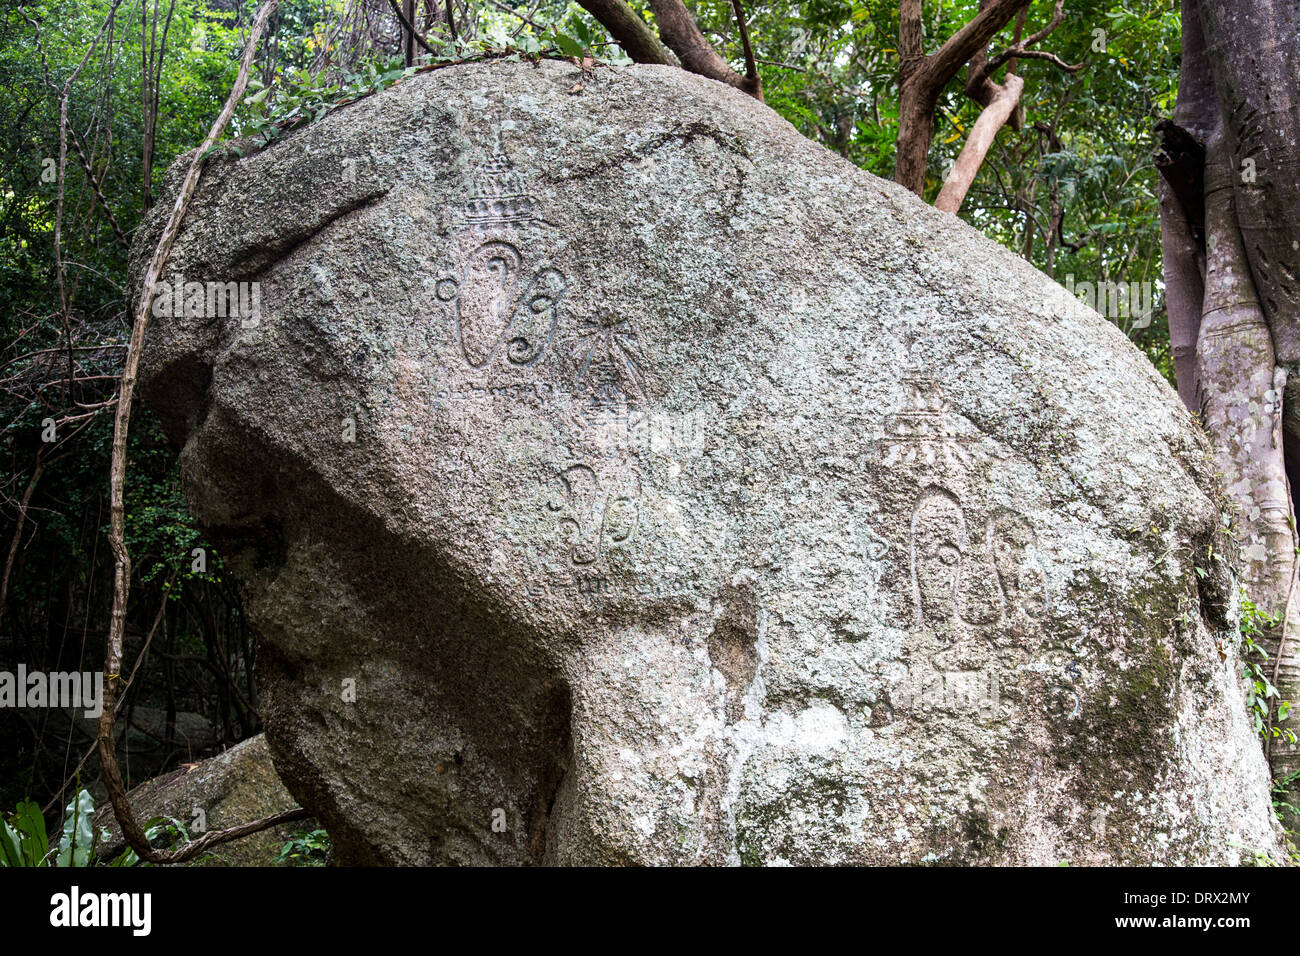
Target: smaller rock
{"points": [[234, 787]]}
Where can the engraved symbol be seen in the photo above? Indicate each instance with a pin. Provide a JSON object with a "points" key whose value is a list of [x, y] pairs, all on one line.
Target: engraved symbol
{"points": [[608, 359], [976, 583], [489, 308], [1018, 568], [494, 307], [592, 518], [500, 199], [873, 548], [938, 540], [923, 431], [982, 598]]}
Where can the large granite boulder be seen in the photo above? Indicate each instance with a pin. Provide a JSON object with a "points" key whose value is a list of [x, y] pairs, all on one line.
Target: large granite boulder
{"points": [[618, 477]]}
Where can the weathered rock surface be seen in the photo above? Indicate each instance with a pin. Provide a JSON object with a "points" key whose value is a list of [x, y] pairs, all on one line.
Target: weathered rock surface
{"points": [[237, 786], [613, 465]]}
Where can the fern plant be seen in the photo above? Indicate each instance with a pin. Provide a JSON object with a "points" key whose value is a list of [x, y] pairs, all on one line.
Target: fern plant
{"points": [[25, 843]]}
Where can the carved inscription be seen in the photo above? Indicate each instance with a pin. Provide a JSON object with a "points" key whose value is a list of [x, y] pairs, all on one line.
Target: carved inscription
{"points": [[607, 359], [975, 576], [592, 517], [496, 309], [923, 431], [504, 313]]}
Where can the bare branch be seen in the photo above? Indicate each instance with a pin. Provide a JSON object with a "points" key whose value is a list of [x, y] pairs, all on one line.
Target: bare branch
{"points": [[977, 145], [683, 36], [131, 829], [409, 28], [1051, 58], [515, 13], [754, 81], [941, 66], [18, 530], [631, 32], [1022, 49]]}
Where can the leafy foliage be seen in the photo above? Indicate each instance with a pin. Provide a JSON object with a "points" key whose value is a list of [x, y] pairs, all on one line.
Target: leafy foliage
{"points": [[307, 848], [1260, 690], [24, 843], [23, 840]]}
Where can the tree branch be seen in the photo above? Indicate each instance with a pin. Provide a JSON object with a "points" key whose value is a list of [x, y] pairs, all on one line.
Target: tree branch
{"points": [[122, 810], [752, 79], [992, 119], [680, 31], [1021, 49], [939, 67], [630, 32], [410, 28], [18, 529], [517, 15]]}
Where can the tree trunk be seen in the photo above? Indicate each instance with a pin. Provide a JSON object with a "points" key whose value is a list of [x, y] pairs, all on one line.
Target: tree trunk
{"points": [[992, 118], [408, 35], [1230, 216], [1240, 390], [915, 130], [922, 77]]}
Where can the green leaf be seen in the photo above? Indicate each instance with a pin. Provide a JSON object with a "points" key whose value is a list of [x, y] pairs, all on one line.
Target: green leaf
{"points": [[127, 857], [32, 823], [75, 844], [582, 32], [568, 45], [11, 853]]}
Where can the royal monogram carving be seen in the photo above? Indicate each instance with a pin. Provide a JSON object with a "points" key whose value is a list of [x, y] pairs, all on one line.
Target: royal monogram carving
{"points": [[496, 309], [979, 576], [591, 516], [503, 313]]}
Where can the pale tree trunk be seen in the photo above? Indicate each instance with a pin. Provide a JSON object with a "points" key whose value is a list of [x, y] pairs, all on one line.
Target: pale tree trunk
{"points": [[1230, 216], [1181, 161], [922, 77], [1241, 387], [977, 145]]}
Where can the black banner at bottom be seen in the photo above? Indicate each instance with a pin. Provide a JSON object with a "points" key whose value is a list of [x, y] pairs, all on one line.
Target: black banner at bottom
{"points": [[185, 905]]}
